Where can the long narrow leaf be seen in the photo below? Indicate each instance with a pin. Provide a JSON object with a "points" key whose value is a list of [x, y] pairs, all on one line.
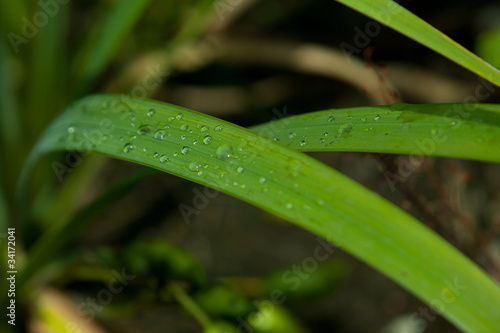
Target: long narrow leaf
{"points": [[112, 33], [454, 130], [282, 181], [400, 19]]}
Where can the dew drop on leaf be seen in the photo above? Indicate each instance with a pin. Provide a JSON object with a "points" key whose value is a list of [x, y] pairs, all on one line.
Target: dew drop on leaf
{"points": [[160, 134], [377, 117], [292, 135], [193, 166], [303, 143], [144, 129], [179, 116], [294, 167], [331, 119], [128, 147], [164, 159], [262, 180], [204, 129], [224, 152], [185, 150], [207, 139], [344, 130], [240, 170], [184, 127], [218, 128], [151, 113]]}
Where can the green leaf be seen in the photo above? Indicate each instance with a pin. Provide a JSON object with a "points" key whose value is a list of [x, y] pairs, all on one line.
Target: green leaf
{"points": [[285, 182], [400, 19], [107, 39], [466, 131]]}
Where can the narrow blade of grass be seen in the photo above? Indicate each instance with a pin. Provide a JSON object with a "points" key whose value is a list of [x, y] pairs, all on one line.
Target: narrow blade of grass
{"points": [[103, 44], [403, 21], [454, 130], [45, 89], [282, 181]]}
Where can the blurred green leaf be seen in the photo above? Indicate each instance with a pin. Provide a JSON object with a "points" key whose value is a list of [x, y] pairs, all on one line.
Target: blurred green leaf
{"points": [[299, 284], [164, 261], [222, 301], [106, 40], [488, 46]]}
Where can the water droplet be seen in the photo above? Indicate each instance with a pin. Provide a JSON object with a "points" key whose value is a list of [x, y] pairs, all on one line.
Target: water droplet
{"points": [[145, 149], [128, 147], [144, 129], [331, 119], [195, 167], [184, 127], [204, 129], [183, 137], [349, 117], [377, 117], [294, 167], [185, 150], [453, 123], [303, 143], [195, 142], [363, 119], [322, 140], [292, 135], [240, 169], [219, 128], [151, 113], [132, 137], [289, 205], [155, 155], [179, 116], [435, 131], [71, 130], [164, 159], [344, 130], [207, 139], [276, 139], [160, 134], [325, 134], [224, 152], [321, 202], [171, 119], [262, 180]]}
